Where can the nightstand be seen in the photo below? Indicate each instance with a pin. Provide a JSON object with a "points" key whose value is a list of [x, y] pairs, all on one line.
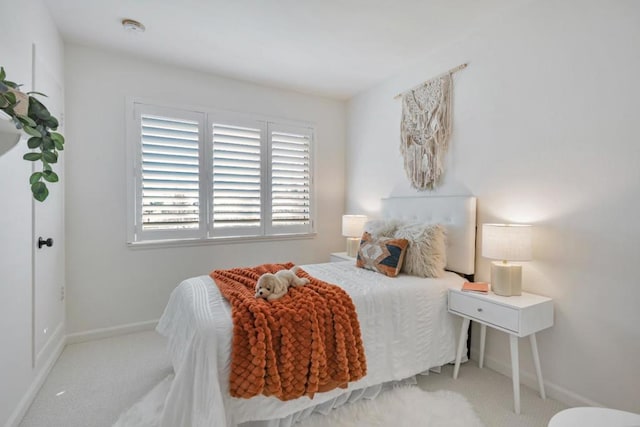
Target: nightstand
{"points": [[341, 256], [518, 316]]}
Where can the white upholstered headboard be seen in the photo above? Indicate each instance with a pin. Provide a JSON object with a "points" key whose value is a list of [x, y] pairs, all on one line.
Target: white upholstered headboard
{"points": [[456, 213]]}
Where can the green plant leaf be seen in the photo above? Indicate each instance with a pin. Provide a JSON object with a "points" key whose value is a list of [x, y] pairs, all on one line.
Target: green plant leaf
{"points": [[43, 114], [11, 97], [35, 177], [45, 166], [3, 75], [31, 131], [50, 156], [50, 176], [38, 110], [33, 92], [32, 157], [40, 191], [52, 123], [57, 137], [34, 142], [12, 85], [47, 143], [26, 120]]}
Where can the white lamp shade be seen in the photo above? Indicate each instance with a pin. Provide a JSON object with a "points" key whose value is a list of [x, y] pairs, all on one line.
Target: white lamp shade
{"points": [[353, 225], [507, 242]]}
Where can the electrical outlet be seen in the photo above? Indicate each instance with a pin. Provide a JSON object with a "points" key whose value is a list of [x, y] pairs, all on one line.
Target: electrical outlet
{"points": [[61, 293]]}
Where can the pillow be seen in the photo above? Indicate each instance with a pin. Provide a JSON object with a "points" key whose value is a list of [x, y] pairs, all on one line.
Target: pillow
{"points": [[427, 252], [384, 254], [382, 227]]}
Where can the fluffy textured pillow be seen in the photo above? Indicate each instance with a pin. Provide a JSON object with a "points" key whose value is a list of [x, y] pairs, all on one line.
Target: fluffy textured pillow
{"points": [[384, 254], [427, 252], [382, 227]]}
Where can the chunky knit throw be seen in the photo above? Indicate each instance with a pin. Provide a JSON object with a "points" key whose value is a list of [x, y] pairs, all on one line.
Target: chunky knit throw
{"points": [[306, 342]]}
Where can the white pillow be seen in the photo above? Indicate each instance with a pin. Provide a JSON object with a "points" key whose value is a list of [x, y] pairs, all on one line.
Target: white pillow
{"points": [[427, 252], [382, 227]]}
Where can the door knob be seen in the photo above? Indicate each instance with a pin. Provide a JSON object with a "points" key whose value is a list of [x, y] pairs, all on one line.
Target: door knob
{"points": [[42, 242]]}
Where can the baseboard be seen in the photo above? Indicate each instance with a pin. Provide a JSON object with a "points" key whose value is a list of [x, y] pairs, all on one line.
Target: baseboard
{"points": [[529, 379], [56, 338], [37, 382], [96, 334]]}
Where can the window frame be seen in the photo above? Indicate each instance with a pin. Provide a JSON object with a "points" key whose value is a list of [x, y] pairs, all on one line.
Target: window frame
{"points": [[205, 233]]}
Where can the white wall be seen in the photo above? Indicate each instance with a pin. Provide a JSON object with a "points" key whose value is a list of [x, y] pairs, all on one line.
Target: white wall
{"points": [[110, 284], [546, 132], [29, 22]]}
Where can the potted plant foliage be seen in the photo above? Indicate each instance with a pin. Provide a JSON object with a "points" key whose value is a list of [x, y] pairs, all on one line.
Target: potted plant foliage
{"points": [[32, 117]]}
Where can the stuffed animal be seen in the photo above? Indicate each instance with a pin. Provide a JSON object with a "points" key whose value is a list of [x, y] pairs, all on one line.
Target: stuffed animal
{"points": [[272, 286]]}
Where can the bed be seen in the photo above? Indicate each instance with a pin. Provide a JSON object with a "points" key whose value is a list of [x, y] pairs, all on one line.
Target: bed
{"points": [[406, 329]]}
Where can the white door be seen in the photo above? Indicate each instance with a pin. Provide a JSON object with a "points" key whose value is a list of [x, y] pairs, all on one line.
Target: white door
{"points": [[48, 223]]}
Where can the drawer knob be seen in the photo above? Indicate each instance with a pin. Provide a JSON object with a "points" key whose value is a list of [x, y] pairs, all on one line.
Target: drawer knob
{"points": [[480, 309]]}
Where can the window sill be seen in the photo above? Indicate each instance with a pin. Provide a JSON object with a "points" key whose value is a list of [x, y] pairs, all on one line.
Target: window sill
{"points": [[170, 243]]}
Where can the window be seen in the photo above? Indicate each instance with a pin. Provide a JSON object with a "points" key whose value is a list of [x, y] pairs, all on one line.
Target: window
{"points": [[208, 175]]}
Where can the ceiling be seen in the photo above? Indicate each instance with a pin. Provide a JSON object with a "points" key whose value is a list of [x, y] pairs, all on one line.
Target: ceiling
{"points": [[334, 48]]}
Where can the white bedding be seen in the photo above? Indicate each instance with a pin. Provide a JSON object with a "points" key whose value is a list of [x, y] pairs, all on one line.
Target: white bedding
{"points": [[405, 329]]}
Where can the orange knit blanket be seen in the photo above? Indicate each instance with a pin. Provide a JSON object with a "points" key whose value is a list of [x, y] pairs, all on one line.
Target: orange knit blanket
{"points": [[305, 342]]}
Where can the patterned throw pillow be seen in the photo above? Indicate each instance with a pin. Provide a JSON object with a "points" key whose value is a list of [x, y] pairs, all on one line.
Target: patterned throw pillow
{"points": [[384, 254]]}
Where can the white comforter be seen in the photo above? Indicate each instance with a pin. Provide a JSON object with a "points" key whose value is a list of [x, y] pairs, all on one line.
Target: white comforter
{"points": [[405, 329]]}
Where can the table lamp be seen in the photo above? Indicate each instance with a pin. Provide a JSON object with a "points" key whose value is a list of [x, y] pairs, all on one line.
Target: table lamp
{"points": [[506, 242], [352, 228]]}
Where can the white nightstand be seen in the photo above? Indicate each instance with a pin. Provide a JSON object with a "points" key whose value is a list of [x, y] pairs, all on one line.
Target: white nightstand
{"points": [[341, 256], [519, 316]]}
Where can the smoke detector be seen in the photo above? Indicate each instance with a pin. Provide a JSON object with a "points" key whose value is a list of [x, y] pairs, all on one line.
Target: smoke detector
{"points": [[132, 26]]}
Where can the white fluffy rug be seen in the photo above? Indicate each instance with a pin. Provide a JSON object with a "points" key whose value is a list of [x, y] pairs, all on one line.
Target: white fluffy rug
{"points": [[406, 406]]}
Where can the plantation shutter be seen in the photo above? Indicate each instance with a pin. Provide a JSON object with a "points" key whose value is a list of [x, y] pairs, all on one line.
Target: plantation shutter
{"points": [[290, 174], [204, 175], [169, 173], [237, 177]]}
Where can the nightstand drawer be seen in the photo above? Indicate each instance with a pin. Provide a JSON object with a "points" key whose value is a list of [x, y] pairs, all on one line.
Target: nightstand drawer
{"points": [[484, 311]]}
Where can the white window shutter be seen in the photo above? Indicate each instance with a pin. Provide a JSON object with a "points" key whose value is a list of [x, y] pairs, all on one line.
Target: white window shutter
{"points": [[291, 179], [237, 177], [168, 180], [198, 174]]}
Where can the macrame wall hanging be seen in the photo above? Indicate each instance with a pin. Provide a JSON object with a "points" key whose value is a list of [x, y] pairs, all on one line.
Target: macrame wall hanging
{"points": [[425, 129]]}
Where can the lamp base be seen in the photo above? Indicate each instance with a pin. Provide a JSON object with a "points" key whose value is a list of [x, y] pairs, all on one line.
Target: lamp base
{"points": [[353, 244], [506, 279]]}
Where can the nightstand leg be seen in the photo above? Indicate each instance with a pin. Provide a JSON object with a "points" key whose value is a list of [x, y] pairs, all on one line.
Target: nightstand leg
{"points": [[483, 336], [536, 362], [515, 373], [461, 341]]}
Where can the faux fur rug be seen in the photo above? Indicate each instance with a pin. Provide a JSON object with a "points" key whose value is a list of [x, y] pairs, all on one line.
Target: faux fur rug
{"points": [[406, 406]]}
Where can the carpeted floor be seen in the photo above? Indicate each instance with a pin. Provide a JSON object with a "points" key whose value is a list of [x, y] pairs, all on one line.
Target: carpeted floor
{"points": [[93, 383]]}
